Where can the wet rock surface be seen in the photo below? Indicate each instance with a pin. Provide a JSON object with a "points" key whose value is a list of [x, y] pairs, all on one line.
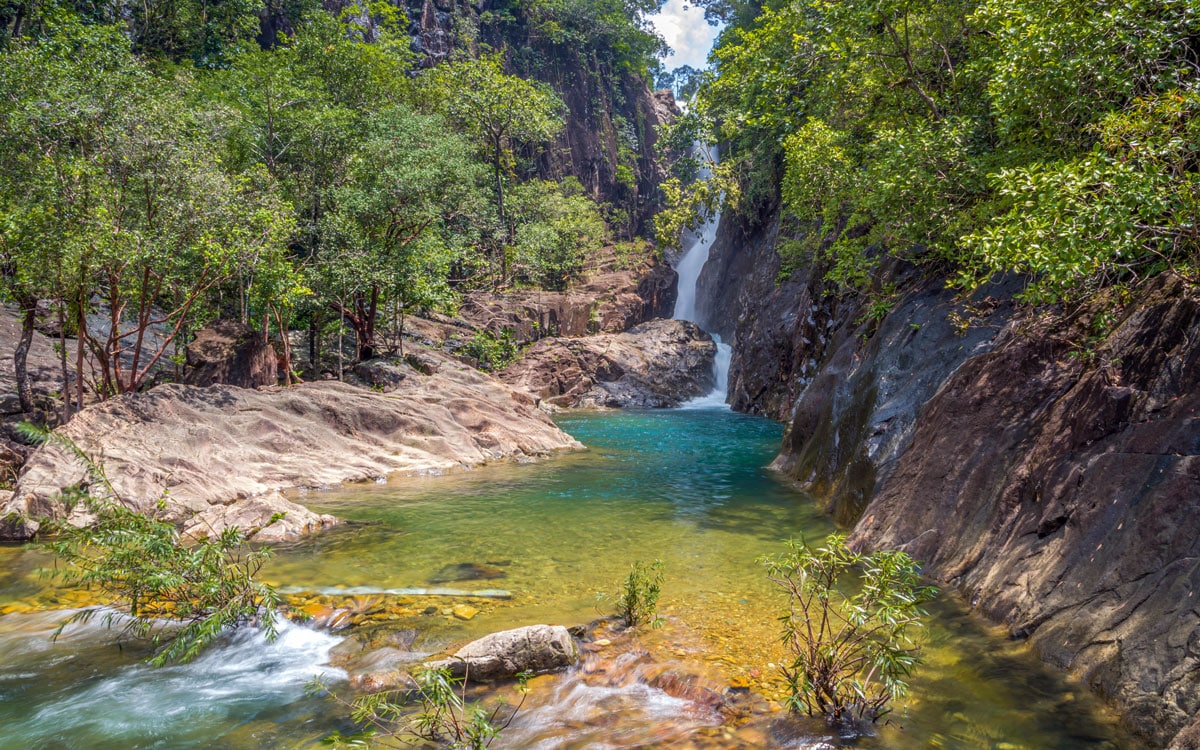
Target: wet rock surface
{"points": [[1046, 465], [659, 364], [848, 385], [220, 452]]}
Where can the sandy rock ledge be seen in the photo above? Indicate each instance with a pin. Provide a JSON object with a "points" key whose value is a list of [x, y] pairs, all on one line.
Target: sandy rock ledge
{"points": [[221, 455]]}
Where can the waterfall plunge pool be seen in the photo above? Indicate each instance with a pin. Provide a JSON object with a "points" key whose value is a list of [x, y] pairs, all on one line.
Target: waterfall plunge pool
{"points": [[686, 486]]}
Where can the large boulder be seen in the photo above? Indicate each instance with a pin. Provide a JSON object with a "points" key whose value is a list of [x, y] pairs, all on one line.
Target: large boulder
{"points": [[229, 352], [535, 648], [271, 517], [659, 364]]}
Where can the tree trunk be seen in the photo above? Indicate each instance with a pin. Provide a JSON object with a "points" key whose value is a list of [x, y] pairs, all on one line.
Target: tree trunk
{"points": [[81, 332], [362, 320], [508, 235], [62, 361], [314, 369], [21, 355], [341, 344]]}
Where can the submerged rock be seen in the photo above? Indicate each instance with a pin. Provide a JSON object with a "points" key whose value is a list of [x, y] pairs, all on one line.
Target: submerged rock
{"points": [[216, 455], [659, 364], [536, 648], [467, 572]]}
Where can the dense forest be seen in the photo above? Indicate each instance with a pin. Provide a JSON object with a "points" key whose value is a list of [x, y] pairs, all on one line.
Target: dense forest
{"points": [[1057, 141], [292, 167]]}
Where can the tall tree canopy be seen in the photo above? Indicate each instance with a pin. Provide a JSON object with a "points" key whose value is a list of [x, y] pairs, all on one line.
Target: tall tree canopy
{"points": [[1051, 139]]}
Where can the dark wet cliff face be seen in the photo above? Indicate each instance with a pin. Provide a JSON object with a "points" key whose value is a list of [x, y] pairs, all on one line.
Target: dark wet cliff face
{"points": [[1047, 466], [849, 388]]}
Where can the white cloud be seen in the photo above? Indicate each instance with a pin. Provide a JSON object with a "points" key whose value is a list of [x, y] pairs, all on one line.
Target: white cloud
{"points": [[690, 37]]}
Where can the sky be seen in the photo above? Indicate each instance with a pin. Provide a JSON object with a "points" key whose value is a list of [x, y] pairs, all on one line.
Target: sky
{"points": [[682, 24]]}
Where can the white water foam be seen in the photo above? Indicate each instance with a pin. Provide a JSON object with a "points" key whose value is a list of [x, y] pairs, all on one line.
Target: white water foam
{"points": [[576, 714], [717, 396], [235, 679]]}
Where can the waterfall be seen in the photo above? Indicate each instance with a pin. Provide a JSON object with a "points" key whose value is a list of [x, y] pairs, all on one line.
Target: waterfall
{"points": [[699, 244]]}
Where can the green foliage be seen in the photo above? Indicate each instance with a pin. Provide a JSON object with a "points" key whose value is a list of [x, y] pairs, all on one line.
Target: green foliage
{"points": [[321, 178], [690, 203], [850, 653], [111, 187], [406, 213], [180, 594], [637, 599], [497, 110], [493, 352], [616, 31], [1125, 209], [975, 136], [438, 713], [1053, 70], [556, 228]]}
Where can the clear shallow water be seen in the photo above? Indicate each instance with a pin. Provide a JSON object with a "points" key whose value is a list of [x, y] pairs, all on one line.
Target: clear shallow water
{"points": [[686, 486]]}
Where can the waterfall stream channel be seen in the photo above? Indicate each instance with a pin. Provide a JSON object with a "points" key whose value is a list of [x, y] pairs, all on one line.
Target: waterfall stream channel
{"points": [[687, 486]]}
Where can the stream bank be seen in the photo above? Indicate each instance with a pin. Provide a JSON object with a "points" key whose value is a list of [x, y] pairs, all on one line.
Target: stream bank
{"points": [[1042, 462]]}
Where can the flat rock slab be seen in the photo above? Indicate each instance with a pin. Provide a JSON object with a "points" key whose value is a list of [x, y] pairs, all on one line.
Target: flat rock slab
{"points": [[220, 455]]}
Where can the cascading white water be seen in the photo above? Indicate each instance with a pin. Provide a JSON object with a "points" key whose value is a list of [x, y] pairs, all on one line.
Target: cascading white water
{"points": [[698, 243], [689, 268], [87, 688]]}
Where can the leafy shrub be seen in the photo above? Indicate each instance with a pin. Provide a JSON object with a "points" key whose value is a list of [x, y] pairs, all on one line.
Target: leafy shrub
{"points": [[178, 594], [849, 653], [437, 712], [556, 227], [493, 352], [637, 600]]}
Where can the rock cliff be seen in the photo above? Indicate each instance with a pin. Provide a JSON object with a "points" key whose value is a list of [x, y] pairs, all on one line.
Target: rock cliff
{"points": [[1055, 480], [1045, 464], [656, 365], [607, 299], [608, 141]]}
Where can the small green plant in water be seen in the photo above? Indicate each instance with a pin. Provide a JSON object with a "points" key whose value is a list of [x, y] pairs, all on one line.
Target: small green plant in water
{"points": [[179, 595], [850, 653], [637, 600], [437, 711]]}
